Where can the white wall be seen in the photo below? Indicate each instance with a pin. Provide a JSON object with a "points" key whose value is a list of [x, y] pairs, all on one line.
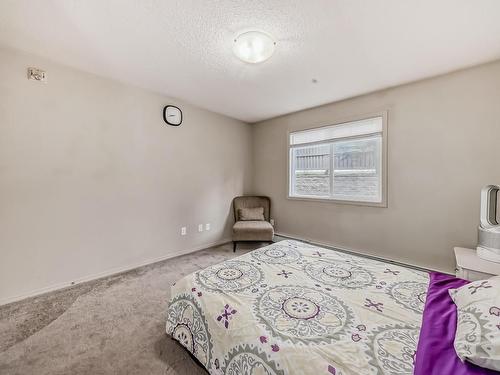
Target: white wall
{"points": [[92, 180], [443, 146]]}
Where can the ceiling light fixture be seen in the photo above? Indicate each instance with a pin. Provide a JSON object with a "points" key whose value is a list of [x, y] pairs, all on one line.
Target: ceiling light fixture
{"points": [[254, 46]]}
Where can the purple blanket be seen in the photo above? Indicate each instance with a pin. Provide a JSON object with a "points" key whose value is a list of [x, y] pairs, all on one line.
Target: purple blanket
{"points": [[435, 352]]}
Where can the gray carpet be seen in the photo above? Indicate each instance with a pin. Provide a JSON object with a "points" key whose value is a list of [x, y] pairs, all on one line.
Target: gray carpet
{"points": [[114, 325]]}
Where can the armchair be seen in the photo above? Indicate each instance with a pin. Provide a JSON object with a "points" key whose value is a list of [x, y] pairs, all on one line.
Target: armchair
{"points": [[252, 223]]}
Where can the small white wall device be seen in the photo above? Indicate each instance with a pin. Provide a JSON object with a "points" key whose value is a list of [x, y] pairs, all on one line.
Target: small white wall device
{"points": [[489, 229], [37, 75]]}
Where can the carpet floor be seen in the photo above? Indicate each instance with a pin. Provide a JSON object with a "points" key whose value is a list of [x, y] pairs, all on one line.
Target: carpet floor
{"points": [[114, 325]]}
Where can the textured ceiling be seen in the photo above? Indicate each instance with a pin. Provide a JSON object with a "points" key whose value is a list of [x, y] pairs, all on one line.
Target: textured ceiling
{"points": [[184, 48]]}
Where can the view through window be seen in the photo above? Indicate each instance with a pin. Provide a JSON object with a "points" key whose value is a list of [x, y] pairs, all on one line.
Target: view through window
{"points": [[339, 162]]}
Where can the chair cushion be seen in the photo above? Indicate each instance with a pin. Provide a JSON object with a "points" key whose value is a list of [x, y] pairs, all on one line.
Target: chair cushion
{"points": [[252, 231], [251, 202], [251, 214]]}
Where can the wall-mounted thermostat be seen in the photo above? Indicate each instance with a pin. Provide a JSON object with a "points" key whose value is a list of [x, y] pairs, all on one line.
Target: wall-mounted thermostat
{"points": [[37, 74]]}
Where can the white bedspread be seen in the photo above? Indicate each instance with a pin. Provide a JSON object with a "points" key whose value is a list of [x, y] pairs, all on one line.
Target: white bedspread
{"points": [[294, 308]]}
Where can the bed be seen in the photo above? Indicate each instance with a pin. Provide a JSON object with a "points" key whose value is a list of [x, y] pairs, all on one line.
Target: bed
{"points": [[295, 308]]}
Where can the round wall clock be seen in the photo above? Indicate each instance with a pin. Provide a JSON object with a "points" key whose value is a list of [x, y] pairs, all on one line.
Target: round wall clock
{"points": [[172, 115]]}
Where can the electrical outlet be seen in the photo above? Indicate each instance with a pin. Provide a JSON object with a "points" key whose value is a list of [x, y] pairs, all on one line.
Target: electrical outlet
{"points": [[207, 226], [272, 222], [183, 231], [200, 227]]}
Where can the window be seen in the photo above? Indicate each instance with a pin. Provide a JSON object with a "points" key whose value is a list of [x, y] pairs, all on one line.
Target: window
{"points": [[343, 162]]}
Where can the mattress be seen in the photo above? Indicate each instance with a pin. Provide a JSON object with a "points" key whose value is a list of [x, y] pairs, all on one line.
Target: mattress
{"points": [[295, 308]]}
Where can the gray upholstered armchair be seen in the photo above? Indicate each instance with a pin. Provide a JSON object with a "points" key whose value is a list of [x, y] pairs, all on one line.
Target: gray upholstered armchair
{"points": [[251, 220]]}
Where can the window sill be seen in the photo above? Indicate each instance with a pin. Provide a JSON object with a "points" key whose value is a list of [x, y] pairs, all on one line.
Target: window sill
{"points": [[338, 201]]}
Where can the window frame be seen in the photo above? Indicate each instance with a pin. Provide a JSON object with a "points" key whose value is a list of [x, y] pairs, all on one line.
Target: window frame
{"points": [[384, 161]]}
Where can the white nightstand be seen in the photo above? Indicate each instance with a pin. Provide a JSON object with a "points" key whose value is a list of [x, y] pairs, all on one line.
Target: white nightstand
{"points": [[471, 267]]}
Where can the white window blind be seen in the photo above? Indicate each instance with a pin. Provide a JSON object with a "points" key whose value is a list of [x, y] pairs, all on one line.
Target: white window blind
{"points": [[344, 130]]}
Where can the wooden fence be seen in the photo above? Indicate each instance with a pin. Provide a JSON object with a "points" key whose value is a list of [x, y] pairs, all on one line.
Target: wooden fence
{"points": [[345, 158]]}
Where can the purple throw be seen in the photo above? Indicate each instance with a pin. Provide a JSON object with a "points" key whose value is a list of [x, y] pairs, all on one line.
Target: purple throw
{"points": [[435, 352]]}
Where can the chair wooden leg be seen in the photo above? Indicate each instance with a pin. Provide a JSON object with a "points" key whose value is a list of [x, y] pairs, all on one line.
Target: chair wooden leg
{"points": [[234, 246]]}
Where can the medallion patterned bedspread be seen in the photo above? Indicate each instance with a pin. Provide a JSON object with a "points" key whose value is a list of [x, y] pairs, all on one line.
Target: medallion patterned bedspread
{"points": [[294, 308]]}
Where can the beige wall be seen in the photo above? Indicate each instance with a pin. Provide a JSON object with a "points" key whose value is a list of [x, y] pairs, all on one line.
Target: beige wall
{"points": [[444, 142], [92, 180]]}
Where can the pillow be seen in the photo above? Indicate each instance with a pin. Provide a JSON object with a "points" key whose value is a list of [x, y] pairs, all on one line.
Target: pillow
{"points": [[253, 214], [477, 338]]}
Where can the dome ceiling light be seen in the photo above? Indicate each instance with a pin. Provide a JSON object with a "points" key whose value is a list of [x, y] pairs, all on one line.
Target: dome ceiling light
{"points": [[254, 47]]}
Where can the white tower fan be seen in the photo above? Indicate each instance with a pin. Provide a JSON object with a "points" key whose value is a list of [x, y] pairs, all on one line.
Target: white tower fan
{"points": [[489, 229]]}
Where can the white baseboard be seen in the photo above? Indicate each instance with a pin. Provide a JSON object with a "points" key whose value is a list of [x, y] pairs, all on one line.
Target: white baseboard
{"points": [[109, 272], [358, 252]]}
